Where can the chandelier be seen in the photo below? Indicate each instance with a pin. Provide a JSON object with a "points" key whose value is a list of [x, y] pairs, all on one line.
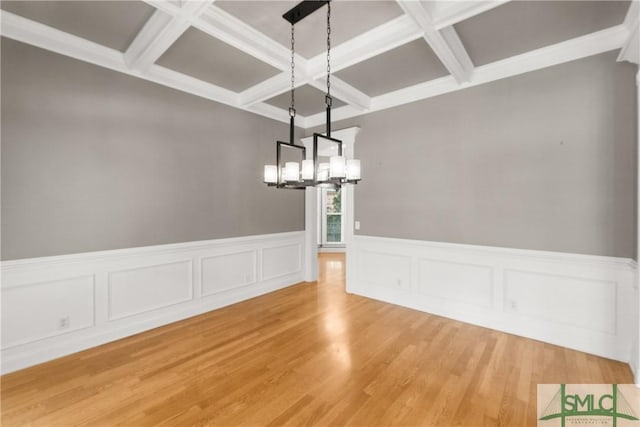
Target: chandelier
{"points": [[290, 173]]}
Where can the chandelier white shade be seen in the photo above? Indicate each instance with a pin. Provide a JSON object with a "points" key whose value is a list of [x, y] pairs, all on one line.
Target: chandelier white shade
{"points": [[353, 169], [337, 167], [292, 172], [270, 174], [307, 170]]}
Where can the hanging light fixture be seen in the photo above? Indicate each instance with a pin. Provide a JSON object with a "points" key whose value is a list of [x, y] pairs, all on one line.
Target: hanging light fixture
{"points": [[310, 173]]}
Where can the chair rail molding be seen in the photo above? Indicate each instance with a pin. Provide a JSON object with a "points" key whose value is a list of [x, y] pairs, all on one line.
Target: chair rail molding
{"points": [[84, 300]]}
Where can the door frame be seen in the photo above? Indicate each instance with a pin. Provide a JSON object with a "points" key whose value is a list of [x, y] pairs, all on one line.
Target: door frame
{"points": [[310, 262]]}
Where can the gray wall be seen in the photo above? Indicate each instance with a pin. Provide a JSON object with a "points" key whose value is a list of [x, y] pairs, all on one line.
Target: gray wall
{"points": [[546, 160], [93, 159]]}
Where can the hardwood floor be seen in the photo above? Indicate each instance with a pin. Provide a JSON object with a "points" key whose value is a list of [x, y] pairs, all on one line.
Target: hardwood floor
{"points": [[306, 355]]}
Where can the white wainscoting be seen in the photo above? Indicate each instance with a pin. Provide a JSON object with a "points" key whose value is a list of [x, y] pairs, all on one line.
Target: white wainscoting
{"points": [[588, 303], [54, 306]]}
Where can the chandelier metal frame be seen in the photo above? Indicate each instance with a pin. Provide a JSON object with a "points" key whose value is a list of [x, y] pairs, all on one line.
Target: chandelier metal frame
{"points": [[311, 173]]}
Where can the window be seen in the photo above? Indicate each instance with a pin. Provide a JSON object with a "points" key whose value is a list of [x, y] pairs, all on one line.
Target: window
{"points": [[331, 223]]}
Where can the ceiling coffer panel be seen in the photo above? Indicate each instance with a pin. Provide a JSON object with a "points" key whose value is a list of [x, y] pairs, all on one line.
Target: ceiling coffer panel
{"points": [[110, 23], [521, 26], [309, 101], [401, 67], [199, 55], [348, 19]]}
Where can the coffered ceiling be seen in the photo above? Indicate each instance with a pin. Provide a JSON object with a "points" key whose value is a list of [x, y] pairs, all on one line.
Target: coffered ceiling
{"points": [[384, 53]]}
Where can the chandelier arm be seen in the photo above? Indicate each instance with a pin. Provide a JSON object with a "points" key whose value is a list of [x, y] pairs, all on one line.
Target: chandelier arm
{"points": [[328, 126], [291, 127]]}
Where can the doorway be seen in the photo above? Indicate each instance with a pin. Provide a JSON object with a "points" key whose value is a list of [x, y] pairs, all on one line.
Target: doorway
{"points": [[328, 230]]}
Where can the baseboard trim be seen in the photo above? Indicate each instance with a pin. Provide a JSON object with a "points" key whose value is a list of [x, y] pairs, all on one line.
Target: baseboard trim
{"points": [[186, 279], [330, 250]]}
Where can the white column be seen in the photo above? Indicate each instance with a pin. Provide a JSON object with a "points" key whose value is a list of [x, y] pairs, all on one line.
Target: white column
{"points": [[349, 214]]}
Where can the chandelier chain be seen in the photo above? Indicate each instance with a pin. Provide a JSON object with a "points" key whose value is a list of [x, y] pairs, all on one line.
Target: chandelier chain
{"points": [[293, 68], [328, 48]]}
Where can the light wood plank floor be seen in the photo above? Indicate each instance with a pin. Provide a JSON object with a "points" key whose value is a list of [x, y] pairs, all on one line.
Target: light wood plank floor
{"points": [[305, 355]]}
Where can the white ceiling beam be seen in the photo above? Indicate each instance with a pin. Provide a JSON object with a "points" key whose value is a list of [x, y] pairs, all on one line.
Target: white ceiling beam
{"points": [[157, 35], [580, 47], [269, 88], [36, 34], [281, 83], [191, 85], [345, 92], [458, 50], [166, 6], [266, 89], [559, 53], [160, 32], [279, 114], [631, 49], [448, 13], [226, 27], [378, 40], [448, 48], [337, 114], [40, 35]]}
